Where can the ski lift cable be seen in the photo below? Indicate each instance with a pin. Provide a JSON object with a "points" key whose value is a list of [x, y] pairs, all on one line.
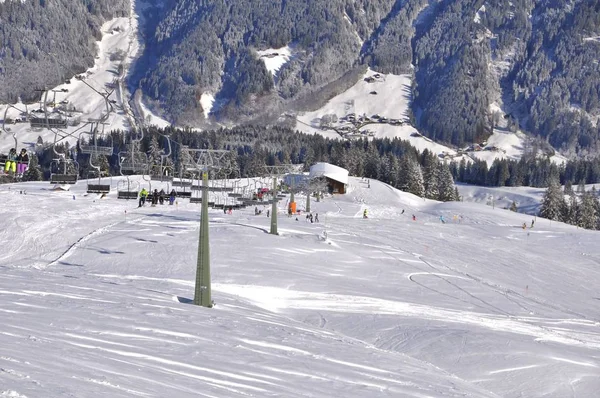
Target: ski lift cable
{"points": [[110, 108], [105, 96], [55, 57]]}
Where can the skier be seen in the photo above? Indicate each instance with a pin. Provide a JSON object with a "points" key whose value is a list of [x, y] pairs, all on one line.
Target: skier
{"points": [[442, 220], [143, 195], [268, 213], [532, 222], [414, 218], [524, 225], [172, 196], [316, 217], [365, 214], [161, 196]]}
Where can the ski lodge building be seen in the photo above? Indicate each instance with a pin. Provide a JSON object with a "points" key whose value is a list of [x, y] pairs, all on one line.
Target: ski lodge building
{"points": [[336, 177]]}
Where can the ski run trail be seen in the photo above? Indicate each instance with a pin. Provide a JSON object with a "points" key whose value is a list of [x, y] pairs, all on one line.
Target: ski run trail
{"points": [[95, 292]]}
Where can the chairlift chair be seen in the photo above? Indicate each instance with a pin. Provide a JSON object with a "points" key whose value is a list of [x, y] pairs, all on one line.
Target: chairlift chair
{"points": [[127, 189], [163, 172], [95, 150], [130, 162], [64, 171]]}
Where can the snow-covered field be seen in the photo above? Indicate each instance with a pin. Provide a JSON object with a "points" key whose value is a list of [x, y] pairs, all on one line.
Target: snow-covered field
{"points": [[92, 300]]}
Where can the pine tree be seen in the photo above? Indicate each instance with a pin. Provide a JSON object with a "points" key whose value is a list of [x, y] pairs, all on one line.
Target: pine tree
{"points": [[154, 151], [33, 173], [587, 216], [446, 184], [570, 210], [432, 181], [414, 178], [552, 202], [457, 195], [568, 190]]}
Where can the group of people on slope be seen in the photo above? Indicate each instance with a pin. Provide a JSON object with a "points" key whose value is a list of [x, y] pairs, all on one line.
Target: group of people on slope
{"points": [[16, 164], [157, 197], [309, 217]]}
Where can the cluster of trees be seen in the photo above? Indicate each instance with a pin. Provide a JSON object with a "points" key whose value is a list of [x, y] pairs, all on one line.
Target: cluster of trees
{"points": [[552, 85], [452, 83], [394, 161], [207, 46], [32, 30], [529, 171], [581, 208]]}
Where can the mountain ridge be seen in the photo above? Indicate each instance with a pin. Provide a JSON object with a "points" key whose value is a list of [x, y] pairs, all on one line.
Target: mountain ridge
{"points": [[525, 65]]}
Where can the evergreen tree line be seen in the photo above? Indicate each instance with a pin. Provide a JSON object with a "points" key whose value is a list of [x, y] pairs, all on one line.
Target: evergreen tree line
{"points": [[581, 208], [530, 170], [393, 161]]}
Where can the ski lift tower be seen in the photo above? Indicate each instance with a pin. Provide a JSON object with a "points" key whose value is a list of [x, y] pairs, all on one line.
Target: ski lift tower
{"points": [[274, 172], [204, 160]]}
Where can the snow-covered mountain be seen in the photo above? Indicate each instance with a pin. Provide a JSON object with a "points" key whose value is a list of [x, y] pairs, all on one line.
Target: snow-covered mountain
{"points": [[93, 299], [470, 74]]}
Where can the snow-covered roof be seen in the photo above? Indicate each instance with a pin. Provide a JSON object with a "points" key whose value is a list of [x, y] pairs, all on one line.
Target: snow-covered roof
{"points": [[330, 171]]}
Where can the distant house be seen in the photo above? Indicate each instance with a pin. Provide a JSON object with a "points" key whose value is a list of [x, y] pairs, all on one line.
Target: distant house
{"points": [[336, 177]]}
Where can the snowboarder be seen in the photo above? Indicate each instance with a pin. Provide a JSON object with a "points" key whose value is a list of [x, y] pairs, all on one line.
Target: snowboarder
{"points": [[414, 218], [316, 217], [365, 214], [442, 220], [524, 225], [532, 222], [268, 213], [172, 196], [311, 218], [155, 197], [143, 195], [161, 197]]}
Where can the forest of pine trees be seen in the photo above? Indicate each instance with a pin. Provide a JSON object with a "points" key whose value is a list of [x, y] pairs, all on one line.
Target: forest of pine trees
{"points": [[581, 208]]}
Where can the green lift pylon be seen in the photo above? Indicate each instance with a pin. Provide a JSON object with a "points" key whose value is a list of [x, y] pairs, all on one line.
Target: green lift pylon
{"points": [[202, 294], [274, 209]]}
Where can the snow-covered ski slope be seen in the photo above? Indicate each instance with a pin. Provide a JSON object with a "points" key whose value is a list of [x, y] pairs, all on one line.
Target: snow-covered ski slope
{"points": [[90, 305]]}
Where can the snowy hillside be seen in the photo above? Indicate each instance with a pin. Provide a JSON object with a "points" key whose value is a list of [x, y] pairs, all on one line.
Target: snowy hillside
{"points": [[93, 299], [81, 98], [379, 105]]}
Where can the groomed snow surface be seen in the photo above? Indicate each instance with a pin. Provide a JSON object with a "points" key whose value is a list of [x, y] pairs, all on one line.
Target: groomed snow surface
{"points": [[93, 292]]}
